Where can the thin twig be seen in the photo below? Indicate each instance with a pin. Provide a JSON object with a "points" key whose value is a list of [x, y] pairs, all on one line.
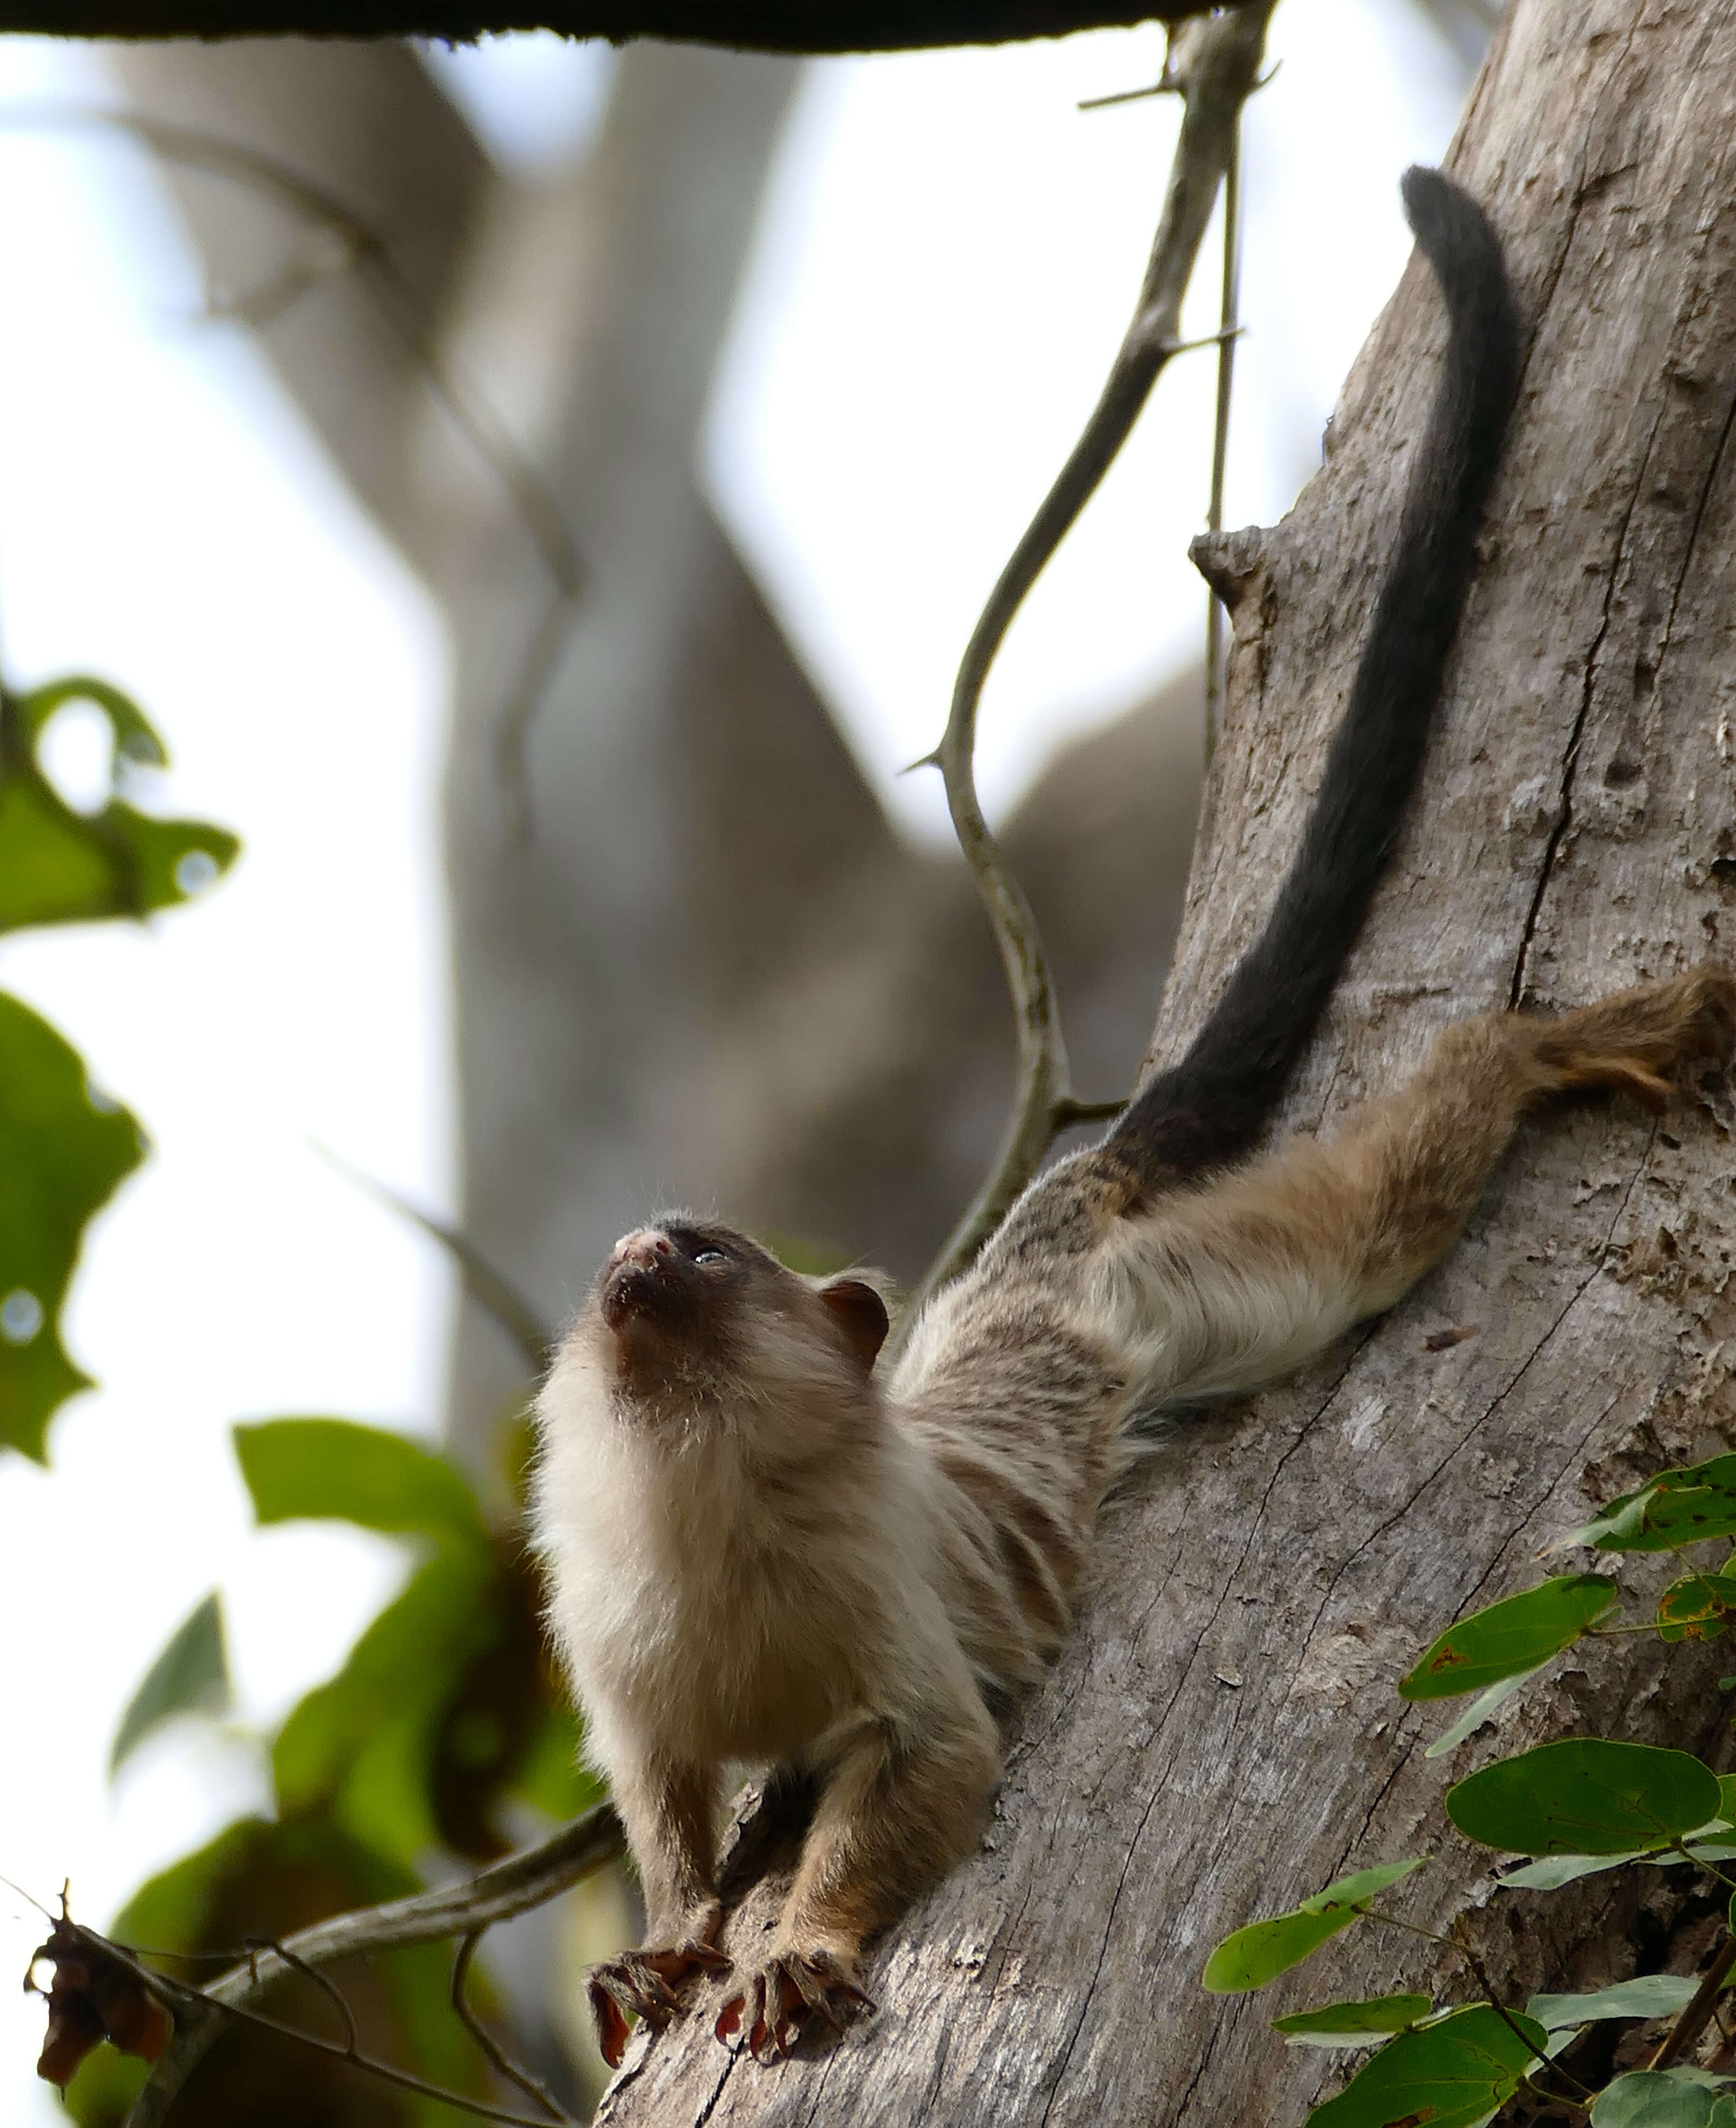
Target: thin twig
{"points": [[1480, 1973], [529, 1877], [532, 2086], [1069, 1113], [323, 1981], [361, 249], [1230, 328], [1125, 95], [192, 2012], [490, 1287], [1698, 2015], [1513, 2025], [370, 2065], [1215, 63]]}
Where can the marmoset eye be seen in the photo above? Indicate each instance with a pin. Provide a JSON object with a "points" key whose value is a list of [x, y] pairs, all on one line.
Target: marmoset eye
{"points": [[708, 1255]]}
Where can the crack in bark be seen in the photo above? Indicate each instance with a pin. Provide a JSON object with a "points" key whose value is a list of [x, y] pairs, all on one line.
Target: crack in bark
{"points": [[1429, 1478], [1162, 1723], [1000, 1948], [1700, 510], [943, 2055], [1193, 2081], [1369, 1815], [1570, 758], [1120, 1886], [1582, 191], [711, 2106]]}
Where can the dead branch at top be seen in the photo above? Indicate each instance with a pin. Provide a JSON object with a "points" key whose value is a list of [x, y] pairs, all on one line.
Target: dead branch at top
{"points": [[1213, 66], [771, 25]]}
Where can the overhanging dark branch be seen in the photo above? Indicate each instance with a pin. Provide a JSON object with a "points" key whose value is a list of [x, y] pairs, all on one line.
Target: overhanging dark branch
{"points": [[772, 26]]}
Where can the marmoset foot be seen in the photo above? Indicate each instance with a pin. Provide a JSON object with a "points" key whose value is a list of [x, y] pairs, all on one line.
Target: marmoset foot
{"points": [[790, 1988], [643, 1983]]}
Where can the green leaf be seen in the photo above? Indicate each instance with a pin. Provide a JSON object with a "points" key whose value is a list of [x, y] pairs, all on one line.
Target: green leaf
{"points": [[1480, 1710], [551, 1774], [191, 1676], [101, 2095], [1453, 2074], [62, 1154], [1655, 2098], [1555, 1870], [1650, 1995], [362, 1744], [331, 1469], [1584, 1795], [1510, 1638], [59, 867], [1696, 1607], [1258, 1954], [1353, 2024], [1678, 1507], [1727, 1798]]}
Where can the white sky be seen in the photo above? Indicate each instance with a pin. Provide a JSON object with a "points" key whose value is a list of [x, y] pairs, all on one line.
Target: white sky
{"points": [[948, 256]]}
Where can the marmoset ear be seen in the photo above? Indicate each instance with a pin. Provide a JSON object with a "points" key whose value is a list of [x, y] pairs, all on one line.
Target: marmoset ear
{"points": [[861, 1314]]}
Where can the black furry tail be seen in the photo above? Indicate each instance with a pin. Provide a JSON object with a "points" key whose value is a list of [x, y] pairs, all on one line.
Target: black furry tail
{"points": [[1211, 1107]]}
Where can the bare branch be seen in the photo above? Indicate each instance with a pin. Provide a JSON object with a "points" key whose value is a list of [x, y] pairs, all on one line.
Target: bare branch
{"points": [[772, 26], [1687, 2028], [1213, 67], [490, 1287], [532, 2086], [529, 1877], [323, 1981], [1229, 326]]}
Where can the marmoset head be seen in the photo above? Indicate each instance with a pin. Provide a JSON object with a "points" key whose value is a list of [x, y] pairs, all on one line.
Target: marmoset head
{"points": [[690, 1305]]}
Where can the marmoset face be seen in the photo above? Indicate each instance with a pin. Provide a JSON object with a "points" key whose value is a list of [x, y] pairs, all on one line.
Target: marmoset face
{"points": [[695, 1304]]}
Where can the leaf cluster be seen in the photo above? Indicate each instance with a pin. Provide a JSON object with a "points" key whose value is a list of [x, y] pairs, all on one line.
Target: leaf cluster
{"points": [[64, 1147], [1572, 1807], [444, 1717]]}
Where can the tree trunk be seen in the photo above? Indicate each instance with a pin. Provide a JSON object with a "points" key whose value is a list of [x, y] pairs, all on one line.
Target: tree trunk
{"points": [[1222, 1736]]}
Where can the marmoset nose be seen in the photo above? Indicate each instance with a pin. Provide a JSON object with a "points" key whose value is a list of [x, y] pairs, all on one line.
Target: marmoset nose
{"points": [[644, 1248]]}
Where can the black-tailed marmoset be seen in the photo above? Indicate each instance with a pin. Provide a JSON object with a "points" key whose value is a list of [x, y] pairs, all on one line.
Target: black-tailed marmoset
{"points": [[761, 1551]]}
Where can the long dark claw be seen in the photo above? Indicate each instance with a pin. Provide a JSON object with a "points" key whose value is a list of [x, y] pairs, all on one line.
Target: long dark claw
{"points": [[644, 1984], [768, 2017], [611, 2026]]}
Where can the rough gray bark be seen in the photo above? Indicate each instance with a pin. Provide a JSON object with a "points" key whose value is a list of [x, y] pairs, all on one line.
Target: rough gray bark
{"points": [[1222, 1736]]}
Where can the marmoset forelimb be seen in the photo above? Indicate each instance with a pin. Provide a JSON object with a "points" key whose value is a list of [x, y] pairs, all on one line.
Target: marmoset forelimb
{"points": [[762, 1552]]}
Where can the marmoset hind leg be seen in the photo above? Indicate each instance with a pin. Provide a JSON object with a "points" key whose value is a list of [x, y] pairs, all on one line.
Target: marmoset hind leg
{"points": [[898, 1810], [670, 1812], [1265, 1267]]}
